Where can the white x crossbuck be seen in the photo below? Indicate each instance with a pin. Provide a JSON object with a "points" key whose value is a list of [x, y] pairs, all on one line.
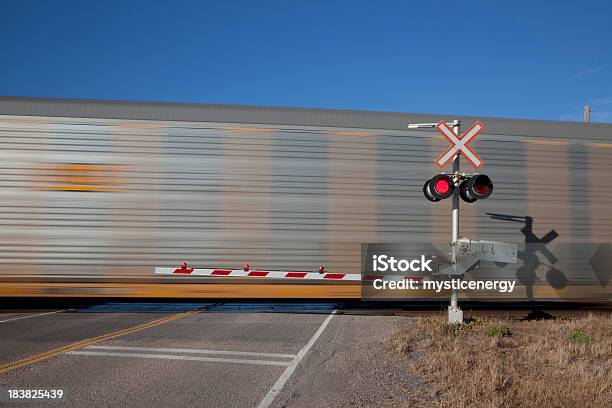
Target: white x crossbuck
{"points": [[460, 144]]}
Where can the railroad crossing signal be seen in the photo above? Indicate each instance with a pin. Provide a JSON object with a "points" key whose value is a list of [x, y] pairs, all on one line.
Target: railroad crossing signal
{"points": [[470, 187], [460, 144]]}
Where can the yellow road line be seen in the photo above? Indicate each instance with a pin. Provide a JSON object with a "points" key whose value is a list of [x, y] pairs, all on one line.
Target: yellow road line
{"points": [[87, 342]]}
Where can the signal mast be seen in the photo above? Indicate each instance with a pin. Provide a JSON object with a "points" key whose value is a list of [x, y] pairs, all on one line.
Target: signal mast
{"points": [[468, 187]]}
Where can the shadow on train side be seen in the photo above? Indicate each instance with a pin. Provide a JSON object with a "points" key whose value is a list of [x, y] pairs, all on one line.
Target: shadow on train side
{"points": [[601, 262], [526, 274]]}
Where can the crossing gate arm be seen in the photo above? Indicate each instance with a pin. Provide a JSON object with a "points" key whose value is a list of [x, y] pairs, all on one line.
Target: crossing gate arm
{"points": [[286, 275]]}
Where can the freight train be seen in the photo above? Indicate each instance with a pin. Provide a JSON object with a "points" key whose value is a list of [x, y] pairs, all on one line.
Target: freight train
{"points": [[96, 194]]}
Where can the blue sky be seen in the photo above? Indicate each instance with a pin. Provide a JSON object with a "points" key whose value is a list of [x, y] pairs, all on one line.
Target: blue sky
{"points": [[526, 59]]}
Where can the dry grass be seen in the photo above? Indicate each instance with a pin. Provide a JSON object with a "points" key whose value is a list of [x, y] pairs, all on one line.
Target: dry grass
{"points": [[512, 363]]}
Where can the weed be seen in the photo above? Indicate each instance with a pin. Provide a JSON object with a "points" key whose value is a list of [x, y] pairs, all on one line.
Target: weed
{"points": [[498, 330], [578, 336]]}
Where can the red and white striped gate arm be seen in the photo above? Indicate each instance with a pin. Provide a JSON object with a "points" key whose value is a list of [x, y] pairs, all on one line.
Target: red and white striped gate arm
{"points": [[247, 272]]}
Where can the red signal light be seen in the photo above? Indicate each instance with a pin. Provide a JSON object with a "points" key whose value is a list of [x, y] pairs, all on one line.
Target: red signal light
{"points": [[184, 265], [439, 187], [321, 269], [246, 267], [442, 186]]}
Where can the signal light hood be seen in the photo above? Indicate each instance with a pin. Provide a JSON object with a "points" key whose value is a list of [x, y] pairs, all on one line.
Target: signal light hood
{"points": [[477, 187]]}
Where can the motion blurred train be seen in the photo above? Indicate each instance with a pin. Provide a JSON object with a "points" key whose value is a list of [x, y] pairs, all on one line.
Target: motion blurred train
{"points": [[96, 194]]}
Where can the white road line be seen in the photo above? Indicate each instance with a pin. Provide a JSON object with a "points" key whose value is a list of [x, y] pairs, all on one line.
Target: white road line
{"points": [[174, 357], [29, 316], [192, 351], [282, 380]]}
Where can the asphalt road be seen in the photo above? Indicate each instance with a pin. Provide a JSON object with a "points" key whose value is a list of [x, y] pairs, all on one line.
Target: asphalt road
{"points": [[205, 355]]}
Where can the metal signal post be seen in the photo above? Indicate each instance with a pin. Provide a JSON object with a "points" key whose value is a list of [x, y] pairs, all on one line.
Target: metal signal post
{"points": [[455, 315]]}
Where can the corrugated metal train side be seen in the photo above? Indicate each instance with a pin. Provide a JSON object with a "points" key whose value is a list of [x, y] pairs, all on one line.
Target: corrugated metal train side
{"points": [[94, 198]]}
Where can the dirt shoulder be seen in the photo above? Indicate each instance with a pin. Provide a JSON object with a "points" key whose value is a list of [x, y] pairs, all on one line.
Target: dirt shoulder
{"points": [[492, 362]]}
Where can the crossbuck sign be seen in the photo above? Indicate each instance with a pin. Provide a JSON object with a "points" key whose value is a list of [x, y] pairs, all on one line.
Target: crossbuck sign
{"points": [[460, 144]]}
